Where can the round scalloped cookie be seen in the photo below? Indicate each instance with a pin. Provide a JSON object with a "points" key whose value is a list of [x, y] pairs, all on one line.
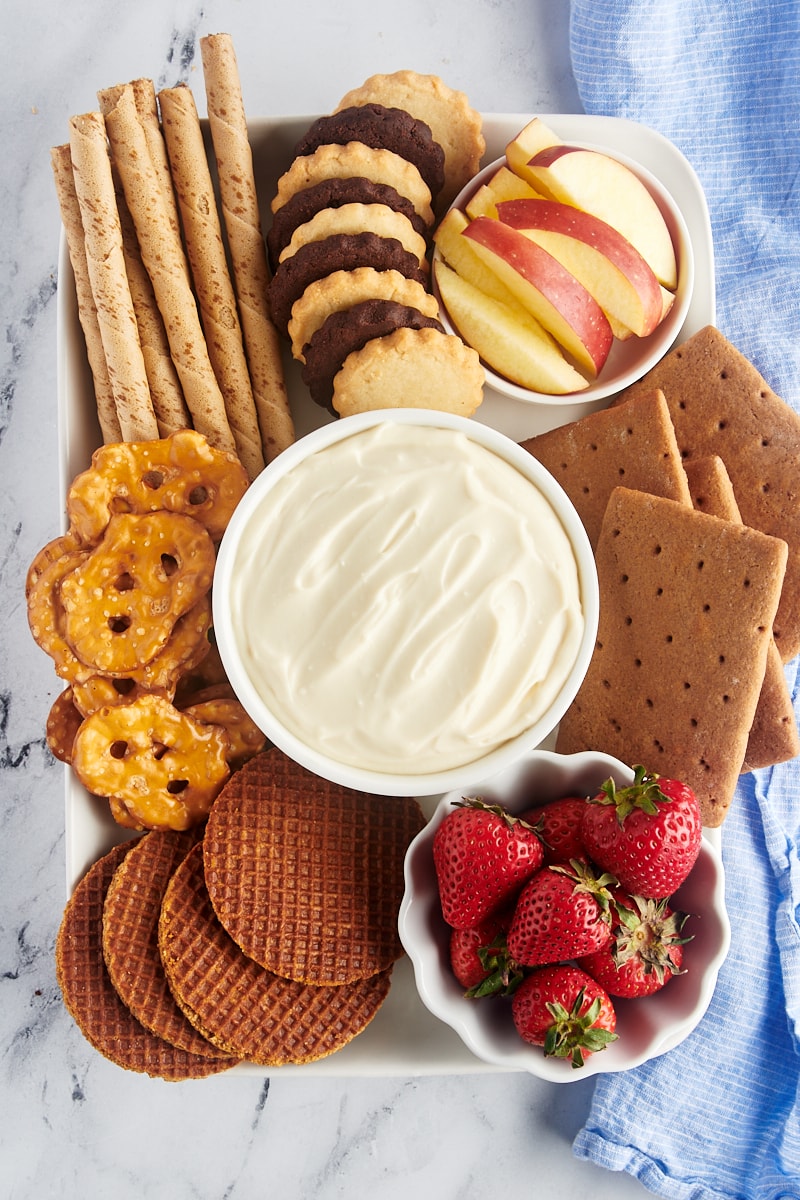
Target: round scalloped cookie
{"points": [[356, 160], [410, 368], [343, 289], [455, 125], [359, 218]]}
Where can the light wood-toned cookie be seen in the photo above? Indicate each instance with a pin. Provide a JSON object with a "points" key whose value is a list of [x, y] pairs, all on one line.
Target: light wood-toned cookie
{"points": [[455, 125], [359, 218], [687, 602], [354, 160], [164, 261], [242, 221], [720, 404], [87, 311], [774, 735], [209, 267], [343, 289], [410, 368], [94, 187], [632, 445]]}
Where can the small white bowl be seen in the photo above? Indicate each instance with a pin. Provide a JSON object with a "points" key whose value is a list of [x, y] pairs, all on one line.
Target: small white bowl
{"points": [[230, 636], [647, 1026], [628, 360]]}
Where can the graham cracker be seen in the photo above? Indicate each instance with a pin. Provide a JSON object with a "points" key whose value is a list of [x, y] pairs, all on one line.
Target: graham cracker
{"points": [[774, 736], [632, 445], [720, 404], [687, 602]]}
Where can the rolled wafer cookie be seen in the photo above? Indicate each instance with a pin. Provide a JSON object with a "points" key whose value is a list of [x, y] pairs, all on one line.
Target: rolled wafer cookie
{"points": [[87, 310], [163, 257], [94, 188], [144, 96], [234, 160], [209, 268]]}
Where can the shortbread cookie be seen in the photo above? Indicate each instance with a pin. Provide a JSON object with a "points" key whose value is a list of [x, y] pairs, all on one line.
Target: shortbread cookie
{"points": [[343, 289], [686, 608], [381, 128], [333, 193], [454, 124], [241, 1007], [307, 875], [774, 735], [93, 1002], [340, 252], [355, 219], [720, 404], [411, 368], [355, 160], [632, 445], [347, 331]]}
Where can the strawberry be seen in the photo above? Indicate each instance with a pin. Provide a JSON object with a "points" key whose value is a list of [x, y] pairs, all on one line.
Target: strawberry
{"points": [[647, 834], [482, 855], [646, 949], [564, 911], [566, 1011], [559, 826], [480, 960]]}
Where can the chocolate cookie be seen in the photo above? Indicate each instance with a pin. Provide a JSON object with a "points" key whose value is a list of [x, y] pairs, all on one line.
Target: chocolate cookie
{"points": [[350, 329], [334, 193], [342, 252], [381, 128]]}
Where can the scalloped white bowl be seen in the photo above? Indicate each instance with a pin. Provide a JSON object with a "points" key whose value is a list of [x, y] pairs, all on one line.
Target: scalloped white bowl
{"points": [[648, 1026], [628, 360]]}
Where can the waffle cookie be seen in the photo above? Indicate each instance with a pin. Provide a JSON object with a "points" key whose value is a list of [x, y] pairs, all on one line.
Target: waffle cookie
{"points": [[93, 1002], [242, 1008], [306, 875], [130, 938]]}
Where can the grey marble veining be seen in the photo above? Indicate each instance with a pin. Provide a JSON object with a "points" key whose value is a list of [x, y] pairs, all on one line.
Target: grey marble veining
{"points": [[71, 1123]]}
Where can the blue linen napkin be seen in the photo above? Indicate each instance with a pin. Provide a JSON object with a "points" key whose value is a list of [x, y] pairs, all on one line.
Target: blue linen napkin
{"points": [[719, 1116]]}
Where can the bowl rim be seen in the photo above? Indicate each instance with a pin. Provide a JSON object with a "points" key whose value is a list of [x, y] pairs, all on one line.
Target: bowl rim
{"points": [[391, 784], [417, 910], [659, 341]]}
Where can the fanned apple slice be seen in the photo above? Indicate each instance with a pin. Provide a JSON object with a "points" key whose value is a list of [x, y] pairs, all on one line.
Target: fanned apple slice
{"points": [[502, 185], [547, 289], [598, 255], [511, 342], [530, 141], [463, 258]]}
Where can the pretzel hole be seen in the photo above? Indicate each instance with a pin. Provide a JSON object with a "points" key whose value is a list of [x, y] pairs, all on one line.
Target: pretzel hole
{"points": [[118, 624], [176, 786], [198, 495], [169, 564], [153, 480], [124, 582], [123, 686], [118, 749], [159, 750]]}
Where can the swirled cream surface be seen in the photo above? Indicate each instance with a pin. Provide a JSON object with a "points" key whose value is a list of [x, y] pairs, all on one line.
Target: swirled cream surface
{"points": [[405, 600]]}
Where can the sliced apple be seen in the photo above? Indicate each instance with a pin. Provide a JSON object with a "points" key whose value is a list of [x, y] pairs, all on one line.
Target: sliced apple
{"points": [[502, 185], [530, 141], [462, 256], [512, 343], [599, 184], [547, 289], [605, 262]]}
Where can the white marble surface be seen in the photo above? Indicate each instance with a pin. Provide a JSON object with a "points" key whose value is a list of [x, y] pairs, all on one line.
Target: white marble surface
{"points": [[71, 1124]]}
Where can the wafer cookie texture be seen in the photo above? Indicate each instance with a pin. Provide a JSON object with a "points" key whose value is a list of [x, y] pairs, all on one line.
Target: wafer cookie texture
{"points": [[235, 1003], [687, 602], [305, 875]]}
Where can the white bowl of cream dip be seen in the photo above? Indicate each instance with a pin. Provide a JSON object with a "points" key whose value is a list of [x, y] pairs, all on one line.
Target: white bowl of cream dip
{"points": [[405, 601]]}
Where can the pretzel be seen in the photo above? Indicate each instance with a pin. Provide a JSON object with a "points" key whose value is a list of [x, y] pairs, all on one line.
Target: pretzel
{"points": [[63, 722], [246, 739], [181, 473], [52, 565], [121, 603], [159, 768], [184, 651]]}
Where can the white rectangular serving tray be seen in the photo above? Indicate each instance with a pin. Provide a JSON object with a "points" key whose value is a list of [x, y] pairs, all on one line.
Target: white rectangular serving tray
{"points": [[404, 1038]]}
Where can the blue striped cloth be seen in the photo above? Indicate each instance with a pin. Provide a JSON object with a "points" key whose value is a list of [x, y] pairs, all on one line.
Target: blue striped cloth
{"points": [[719, 1116]]}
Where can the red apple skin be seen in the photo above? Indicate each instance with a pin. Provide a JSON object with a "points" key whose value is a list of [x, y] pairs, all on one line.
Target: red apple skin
{"points": [[555, 217], [539, 269]]}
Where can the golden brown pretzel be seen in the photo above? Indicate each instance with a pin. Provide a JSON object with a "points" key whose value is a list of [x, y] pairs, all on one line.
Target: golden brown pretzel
{"points": [[181, 473], [245, 737], [45, 576], [63, 722], [160, 768], [121, 603]]}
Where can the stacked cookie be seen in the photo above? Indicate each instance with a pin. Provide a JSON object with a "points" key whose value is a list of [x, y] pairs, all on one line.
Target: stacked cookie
{"points": [[348, 248], [268, 936]]}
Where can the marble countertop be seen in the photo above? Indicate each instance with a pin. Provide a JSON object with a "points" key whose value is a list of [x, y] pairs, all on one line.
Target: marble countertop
{"points": [[71, 1123]]}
